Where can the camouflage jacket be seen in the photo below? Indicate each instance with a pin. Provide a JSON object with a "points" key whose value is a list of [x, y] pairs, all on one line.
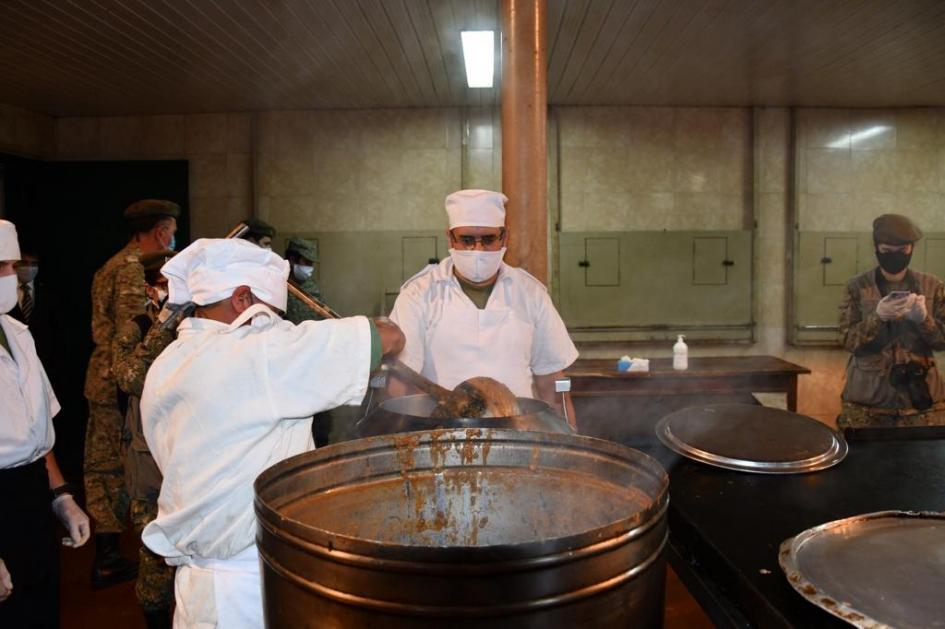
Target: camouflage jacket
{"points": [[296, 311], [118, 296], [133, 357], [135, 352], [877, 345]]}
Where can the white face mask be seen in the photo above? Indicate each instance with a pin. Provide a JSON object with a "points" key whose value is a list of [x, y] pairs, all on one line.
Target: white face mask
{"points": [[302, 272], [7, 293], [477, 266], [259, 315], [26, 273], [161, 295]]}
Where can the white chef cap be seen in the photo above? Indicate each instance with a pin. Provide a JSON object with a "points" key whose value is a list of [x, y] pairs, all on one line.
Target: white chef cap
{"points": [[9, 244], [476, 208], [212, 268]]}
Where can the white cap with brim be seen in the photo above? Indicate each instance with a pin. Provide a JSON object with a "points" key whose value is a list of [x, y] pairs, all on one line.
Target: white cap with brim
{"points": [[476, 208], [9, 243], [210, 270]]}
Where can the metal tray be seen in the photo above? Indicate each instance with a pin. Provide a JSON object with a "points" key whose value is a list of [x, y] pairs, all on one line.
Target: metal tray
{"points": [[752, 438], [884, 569]]}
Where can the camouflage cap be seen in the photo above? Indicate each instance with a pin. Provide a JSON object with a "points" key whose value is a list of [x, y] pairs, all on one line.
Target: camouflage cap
{"points": [[155, 260], [151, 207], [303, 247], [258, 228], [895, 229]]}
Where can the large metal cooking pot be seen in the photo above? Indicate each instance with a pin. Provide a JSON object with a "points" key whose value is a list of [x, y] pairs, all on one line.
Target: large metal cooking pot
{"points": [[412, 412], [464, 528]]}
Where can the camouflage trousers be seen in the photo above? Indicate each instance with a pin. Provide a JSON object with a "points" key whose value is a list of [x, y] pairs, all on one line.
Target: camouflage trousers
{"points": [[858, 416], [105, 496], [154, 587]]}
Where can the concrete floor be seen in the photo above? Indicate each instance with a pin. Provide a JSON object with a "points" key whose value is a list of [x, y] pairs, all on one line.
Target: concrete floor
{"points": [[83, 608]]}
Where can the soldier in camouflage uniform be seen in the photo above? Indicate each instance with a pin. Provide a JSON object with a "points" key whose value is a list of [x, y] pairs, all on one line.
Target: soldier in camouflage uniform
{"points": [[302, 255], [259, 233], [892, 319], [118, 296], [138, 343]]}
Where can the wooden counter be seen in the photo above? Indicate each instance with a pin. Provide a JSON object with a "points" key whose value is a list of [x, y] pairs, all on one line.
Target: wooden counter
{"points": [[723, 375]]}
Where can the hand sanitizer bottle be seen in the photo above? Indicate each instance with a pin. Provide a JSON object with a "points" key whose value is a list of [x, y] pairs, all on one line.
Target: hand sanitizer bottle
{"points": [[680, 354]]}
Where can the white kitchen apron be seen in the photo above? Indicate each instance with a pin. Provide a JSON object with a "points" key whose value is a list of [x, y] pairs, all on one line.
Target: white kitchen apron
{"points": [[465, 342], [219, 593]]}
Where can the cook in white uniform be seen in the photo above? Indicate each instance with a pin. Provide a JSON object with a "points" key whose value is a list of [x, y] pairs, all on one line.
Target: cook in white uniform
{"points": [[29, 558], [473, 315], [233, 395]]}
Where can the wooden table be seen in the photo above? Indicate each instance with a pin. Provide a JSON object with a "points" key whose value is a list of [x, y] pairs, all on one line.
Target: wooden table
{"points": [[706, 376]]}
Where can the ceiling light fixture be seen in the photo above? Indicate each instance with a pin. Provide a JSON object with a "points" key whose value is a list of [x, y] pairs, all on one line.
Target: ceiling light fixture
{"points": [[851, 140], [479, 55]]}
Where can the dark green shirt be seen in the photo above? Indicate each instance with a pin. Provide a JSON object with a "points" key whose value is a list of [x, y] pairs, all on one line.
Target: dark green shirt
{"points": [[479, 295]]}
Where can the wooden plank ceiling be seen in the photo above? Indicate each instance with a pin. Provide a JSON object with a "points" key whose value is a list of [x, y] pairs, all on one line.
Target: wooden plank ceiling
{"points": [[106, 57]]}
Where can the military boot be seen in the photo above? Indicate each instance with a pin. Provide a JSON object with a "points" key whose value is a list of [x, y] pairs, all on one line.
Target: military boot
{"points": [[110, 567]]}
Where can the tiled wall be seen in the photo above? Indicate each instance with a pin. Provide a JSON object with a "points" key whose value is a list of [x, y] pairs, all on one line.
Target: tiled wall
{"points": [[378, 170], [383, 170], [218, 147], [854, 165], [26, 133], [354, 170], [645, 168]]}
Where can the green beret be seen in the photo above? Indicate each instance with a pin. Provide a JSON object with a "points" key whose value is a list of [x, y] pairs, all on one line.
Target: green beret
{"points": [[155, 260], [258, 228], [303, 247], [151, 207], [895, 229]]}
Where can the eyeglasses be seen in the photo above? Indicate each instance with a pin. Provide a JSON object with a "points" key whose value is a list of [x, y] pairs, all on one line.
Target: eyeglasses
{"points": [[488, 241]]}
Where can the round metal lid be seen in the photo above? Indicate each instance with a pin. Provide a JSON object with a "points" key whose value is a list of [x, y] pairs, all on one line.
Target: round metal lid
{"points": [[884, 569], [751, 438]]}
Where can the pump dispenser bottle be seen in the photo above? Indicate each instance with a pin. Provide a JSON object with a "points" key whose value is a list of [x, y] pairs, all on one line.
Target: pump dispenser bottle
{"points": [[680, 354]]}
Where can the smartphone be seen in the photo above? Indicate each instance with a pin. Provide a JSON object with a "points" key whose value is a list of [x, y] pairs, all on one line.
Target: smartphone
{"points": [[898, 294]]}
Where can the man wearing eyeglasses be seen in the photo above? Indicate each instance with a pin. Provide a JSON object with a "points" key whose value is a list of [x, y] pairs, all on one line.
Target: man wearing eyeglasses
{"points": [[473, 315]]}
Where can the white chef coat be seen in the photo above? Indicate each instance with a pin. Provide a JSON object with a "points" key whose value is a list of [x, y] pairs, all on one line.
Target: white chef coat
{"points": [[27, 401], [518, 335], [220, 405]]}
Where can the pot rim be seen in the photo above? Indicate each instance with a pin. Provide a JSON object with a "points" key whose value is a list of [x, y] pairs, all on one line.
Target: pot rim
{"points": [[526, 552]]}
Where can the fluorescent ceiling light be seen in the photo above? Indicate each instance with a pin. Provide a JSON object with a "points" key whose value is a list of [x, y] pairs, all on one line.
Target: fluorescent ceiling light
{"points": [[855, 138], [479, 55]]}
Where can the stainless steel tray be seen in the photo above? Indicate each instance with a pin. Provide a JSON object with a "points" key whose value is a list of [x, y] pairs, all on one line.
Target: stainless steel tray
{"points": [[884, 569], [751, 438]]}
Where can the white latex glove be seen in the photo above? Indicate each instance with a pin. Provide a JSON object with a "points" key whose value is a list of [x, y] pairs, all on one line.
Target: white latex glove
{"points": [[890, 308], [73, 518], [918, 312], [6, 583]]}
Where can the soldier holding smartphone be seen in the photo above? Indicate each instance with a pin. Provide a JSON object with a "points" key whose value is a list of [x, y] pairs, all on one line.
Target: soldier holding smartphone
{"points": [[892, 319]]}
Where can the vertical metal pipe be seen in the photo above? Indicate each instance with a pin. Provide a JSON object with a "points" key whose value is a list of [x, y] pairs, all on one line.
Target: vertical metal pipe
{"points": [[524, 133]]}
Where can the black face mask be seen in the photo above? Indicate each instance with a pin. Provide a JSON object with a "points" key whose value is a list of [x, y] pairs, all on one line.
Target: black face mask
{"points": [[893, 261]]}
